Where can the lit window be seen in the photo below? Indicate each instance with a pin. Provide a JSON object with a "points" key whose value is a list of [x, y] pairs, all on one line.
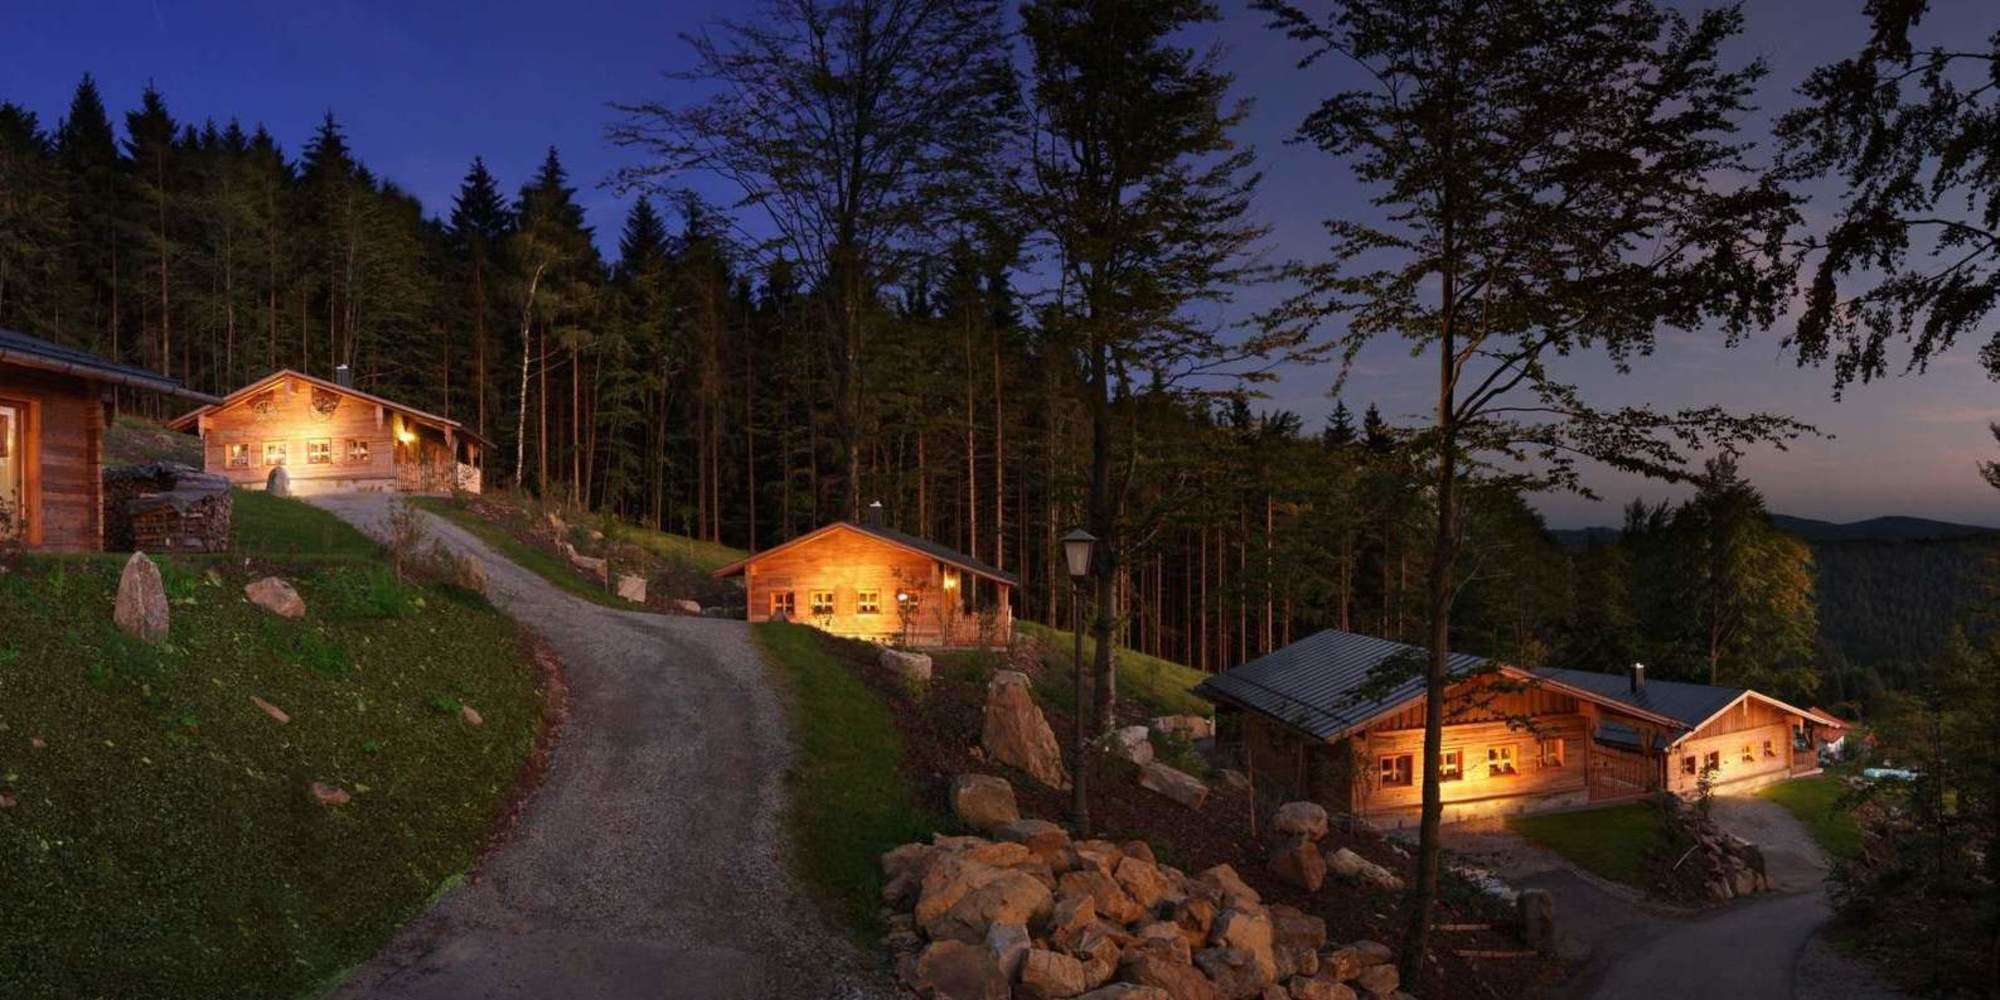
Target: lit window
{"points": [[781, 603], [239, 456], [319, 452], [1688, 765], [1499, 761], [1452, 766], [357, 451], [1396, 771], [1552, 754], [822, 602], [274, 453], [868, 602], [1713, 762]]}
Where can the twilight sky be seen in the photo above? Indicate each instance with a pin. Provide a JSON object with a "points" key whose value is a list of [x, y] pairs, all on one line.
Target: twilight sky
{"points": [[422, 88]]}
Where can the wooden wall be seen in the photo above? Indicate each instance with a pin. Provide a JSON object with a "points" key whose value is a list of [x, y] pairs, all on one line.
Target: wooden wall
{"points": [[846, 563], [1473, 739], [291, 418], [65, 457], [1750, 723]]}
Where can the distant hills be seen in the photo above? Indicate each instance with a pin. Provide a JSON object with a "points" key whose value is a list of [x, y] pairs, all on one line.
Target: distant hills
{"points": [[1875, 529]]}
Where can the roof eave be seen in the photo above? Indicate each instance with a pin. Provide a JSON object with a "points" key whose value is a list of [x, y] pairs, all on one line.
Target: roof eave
{"points": [[160, 384]]}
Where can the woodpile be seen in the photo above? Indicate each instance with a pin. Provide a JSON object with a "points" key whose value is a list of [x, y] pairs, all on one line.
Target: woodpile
{"points": [[166, 507]]}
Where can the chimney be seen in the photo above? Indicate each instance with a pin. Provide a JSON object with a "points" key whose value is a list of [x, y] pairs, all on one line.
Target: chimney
{"points": [[343, 376], [873, 518], [1638, 678]]}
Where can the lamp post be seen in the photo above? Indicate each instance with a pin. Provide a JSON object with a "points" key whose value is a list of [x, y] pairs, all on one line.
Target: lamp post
{"points": [[1078, 546]]}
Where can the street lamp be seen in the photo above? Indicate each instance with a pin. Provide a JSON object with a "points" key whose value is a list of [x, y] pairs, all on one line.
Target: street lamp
{"points": [[1078, 546]]}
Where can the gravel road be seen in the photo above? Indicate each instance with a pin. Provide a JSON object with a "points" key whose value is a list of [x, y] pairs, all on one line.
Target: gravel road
{"points": [[649, 864]]}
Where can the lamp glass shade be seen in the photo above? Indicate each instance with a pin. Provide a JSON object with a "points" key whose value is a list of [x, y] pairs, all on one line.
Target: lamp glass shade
{"points": [[1077, 548]]}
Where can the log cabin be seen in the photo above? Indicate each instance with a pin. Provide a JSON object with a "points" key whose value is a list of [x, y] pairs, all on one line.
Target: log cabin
{"points": [[1337, 718], [865, 581], [333, 438], [52, 402]]}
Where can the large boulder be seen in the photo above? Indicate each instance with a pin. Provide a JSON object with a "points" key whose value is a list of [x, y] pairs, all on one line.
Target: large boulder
{"points": [[276, 596], [1132, 743], [141, 608], [909, 666], [1235, 972], [983, 802], [1230, 886], [1107, 897], [1301, 819], [1378, 980], [589, 564], [278, 483], [1012, 897], [1052, 975], [1142, 880], [1045, 839], [1355, 868], [1299, 862], [1249, 929], [1154, 963], [1318, 988], [632, 587], [1296, 938], [1187, 727], [1538, 918], [1009, 944], [1016, 732], [955, 970], [1177, 785], [686, 606]]}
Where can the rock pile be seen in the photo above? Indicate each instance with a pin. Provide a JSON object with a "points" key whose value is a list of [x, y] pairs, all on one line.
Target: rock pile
{"points": [[1031, 913]]}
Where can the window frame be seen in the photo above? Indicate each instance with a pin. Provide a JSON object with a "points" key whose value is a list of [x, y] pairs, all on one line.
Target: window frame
{"points": [[1542, 754], [868, 602], [1690, 765], [1712, 762], [1502, 761], [283, 452], [1748, 754], [1451, 765], [1769, 751], [234, 450], [1395, 770], [324, 447], [822, 609], [367, 454], [785, 601]]}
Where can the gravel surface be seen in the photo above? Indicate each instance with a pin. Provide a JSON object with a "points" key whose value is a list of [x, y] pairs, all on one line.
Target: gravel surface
{"points": [[649, 864]]}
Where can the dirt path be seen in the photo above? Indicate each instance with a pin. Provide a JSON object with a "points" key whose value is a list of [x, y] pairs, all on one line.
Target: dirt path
{"points": [[650, 862], [1624, 947]]}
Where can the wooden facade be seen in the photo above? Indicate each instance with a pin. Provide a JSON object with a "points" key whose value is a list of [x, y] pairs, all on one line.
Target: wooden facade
{"points": [[51, 457], [879, 586], [1517, 741], [333, 438]]}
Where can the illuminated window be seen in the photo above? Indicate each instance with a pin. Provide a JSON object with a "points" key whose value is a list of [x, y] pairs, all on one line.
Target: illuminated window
{"points": [[868, 602], [357, 451], [239, 456], [1552, 754], [1396, 771], [781, 603], [822, 602], [1452, 766], [1713, 762], [1688, 765], [1499, 761], [319, 452], [274, 453]]}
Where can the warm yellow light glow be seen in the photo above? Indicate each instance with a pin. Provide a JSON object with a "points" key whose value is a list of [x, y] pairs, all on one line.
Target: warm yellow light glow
{"points": [[405, 436], [951, 581]]}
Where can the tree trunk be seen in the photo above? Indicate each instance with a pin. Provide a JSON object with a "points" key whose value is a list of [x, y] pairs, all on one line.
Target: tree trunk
{"points": [[521, 413]]}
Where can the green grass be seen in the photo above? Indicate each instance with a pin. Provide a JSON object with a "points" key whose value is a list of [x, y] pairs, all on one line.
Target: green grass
{"points": [[1816, 803], [163, 843], [546, 565], [1164, 687], [1612, 842], [849, 802], [284, 528], [705, 557]]}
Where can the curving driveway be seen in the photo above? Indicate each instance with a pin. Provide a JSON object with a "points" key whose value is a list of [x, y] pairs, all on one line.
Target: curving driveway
{"points": [[650, 862]]}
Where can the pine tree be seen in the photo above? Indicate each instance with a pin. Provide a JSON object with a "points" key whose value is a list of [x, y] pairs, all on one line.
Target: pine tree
{"points": [[479, 226]]}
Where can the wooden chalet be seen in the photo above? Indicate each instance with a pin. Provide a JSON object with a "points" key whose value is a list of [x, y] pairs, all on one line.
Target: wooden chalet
{"points": [[52, 423], [866, 581], [333, 438], [1323, 719]]}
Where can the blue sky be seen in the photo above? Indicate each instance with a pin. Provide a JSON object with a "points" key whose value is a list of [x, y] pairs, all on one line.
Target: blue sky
{"points": [[421, 88]]}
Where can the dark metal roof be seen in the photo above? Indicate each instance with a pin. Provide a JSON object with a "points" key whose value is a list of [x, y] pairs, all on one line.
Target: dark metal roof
{"points": [[1688, 704], [1319, 684], [35, 352], [944, 553]]}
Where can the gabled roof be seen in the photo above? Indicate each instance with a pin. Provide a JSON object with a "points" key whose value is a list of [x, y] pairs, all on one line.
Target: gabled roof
{"points": [[34, 352], [188, 419], [1688, 704], [1319, 685], [900, 539]]}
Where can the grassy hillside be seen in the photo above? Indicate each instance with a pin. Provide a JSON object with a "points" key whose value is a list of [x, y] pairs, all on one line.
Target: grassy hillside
{"points": [[161, 840], [1164, 687]]}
